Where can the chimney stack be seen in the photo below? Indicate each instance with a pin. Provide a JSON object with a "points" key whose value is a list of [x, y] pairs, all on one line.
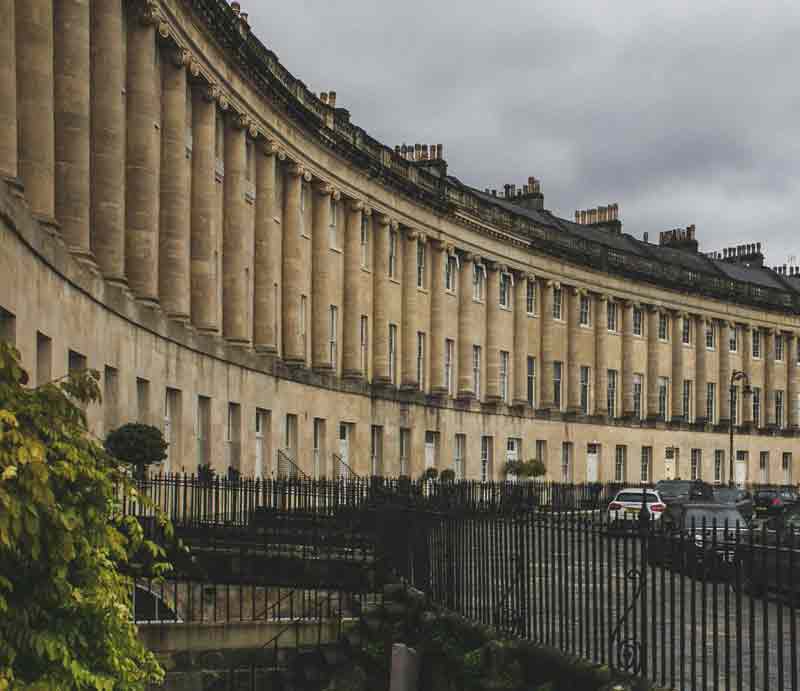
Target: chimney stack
{"points": [[324, 97], [332, 99], [236, 7]]}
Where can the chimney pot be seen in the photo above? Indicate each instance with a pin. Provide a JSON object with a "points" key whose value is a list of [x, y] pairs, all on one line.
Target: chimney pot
{"points": [[324, 97], [332, 98], [424, 152]]}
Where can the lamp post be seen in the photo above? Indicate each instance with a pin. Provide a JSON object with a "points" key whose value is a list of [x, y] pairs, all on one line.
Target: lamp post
{"points": [[736, 375]]}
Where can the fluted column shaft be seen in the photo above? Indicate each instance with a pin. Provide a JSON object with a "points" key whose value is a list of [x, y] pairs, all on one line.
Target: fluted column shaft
{"points": [[35, 104], [351, 351], [72, 116], [652, 363], [793, 380], [293, 346], [492, 333], [438, 258], [747, 368], [142, 163], [8, 90], [701, 372], [380, 284], [573, 364], [108, 140], [601, 356], [466, 321], [677, 367], [321, 279], [521, 341], [235, 264], [174, 280], [267, 253], [724, 378], [203, 270], [409, 326], [627, 360], [768, 407]]}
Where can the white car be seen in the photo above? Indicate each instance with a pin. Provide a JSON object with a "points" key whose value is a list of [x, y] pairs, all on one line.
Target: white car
{"points": [[628, 502]]}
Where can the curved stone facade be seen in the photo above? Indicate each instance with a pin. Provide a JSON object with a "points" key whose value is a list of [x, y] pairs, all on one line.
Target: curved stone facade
{"points": [[251, 271]]}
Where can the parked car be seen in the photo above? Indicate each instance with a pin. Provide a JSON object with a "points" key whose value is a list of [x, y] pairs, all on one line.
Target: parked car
{"points": [[684, 490], [698, 538], [740, 498], [769, 502], [623, 511]]}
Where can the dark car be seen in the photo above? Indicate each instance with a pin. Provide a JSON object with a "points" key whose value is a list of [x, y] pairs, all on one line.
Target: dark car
{"points": [[740, 498], [684, 490], [698, 538], [769, 502]]}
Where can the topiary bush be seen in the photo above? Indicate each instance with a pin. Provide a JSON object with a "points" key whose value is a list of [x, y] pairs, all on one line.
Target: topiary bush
{"points": [[138, 445], [447, 475]]}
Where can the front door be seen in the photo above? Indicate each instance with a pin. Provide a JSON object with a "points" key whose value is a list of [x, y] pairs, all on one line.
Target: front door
{"points": [[593, 463], [259, 470], [669, 463], [430, 450], [344, 450], [741, 468]]}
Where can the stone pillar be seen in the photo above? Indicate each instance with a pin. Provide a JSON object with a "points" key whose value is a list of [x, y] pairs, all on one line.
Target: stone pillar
{"points": [[35, 107], [108, 140], [793, 381], [8, 91], [72, 60], [492, 331], [235, 250], [351, 342], [768, 405], [652, 362], [573, 363], [701, 373], [293, 347], [322, 295], [174, 263], [438, 258], [746, 402], [409, 325], [380, 282], [547, 332], [601, 355], [203, 266], [677, 366], [521, 340], [466, 321], [724, 378], [628, 367], [142, 162]]}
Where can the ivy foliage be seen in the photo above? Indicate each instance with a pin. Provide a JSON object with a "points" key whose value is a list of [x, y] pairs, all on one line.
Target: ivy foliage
{"points": [[65, 603]]}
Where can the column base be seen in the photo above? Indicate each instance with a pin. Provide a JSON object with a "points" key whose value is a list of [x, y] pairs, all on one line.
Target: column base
{"points": [[51, 226], [466, 395], [180, 317], [117, 281], [16, 184], [382, 382], [206, 329], [440, 392], [265, 349], [520, 403], [149, 302], [353, 375], [290, 361]]}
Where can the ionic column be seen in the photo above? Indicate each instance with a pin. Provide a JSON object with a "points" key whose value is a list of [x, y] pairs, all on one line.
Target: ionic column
{"points": [[203, 269], [409, 326], [142, 163], [547, 333], [793, 380], [268, 243], [174, 262], [35, 106], [747, 368], [466, 322], [72, 131], [380, 281], [628, 407], [521, 340], [492, 331], [769, 378], [573, 365], [601, 355], [652, 362], [701, 375], [351, 343], [293, 345], [321, 289], [8, 91], [438, 258], [677, 366], [724, 378], [108, 140]]}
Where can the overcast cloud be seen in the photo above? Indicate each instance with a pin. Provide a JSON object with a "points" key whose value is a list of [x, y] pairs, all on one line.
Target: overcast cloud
{"points": [[681, 112]]}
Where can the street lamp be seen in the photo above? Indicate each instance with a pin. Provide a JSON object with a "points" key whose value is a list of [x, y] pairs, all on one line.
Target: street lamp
{"points": [[736, 375]]}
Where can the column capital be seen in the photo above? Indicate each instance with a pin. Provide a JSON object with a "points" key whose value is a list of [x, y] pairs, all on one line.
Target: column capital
{"points": [[633, 304], [552, 283], [181, 57], [466, 255], [355, 204], [150, 14], [491, 265], [269, 147], [437, 244], [367, 211], [194, 68], [383, 219], [602, 297], [297, 170], [530, 277], [324, 189], [579, 292]]}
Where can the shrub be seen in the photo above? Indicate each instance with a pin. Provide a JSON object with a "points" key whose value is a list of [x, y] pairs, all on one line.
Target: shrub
{"points": [[138, 445]]}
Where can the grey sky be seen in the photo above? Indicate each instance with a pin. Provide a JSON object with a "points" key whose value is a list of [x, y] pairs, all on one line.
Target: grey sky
{"points": [[682, 112]]}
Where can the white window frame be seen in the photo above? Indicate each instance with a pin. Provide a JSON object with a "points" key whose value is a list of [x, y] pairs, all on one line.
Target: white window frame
{"points": [[333, 335], [459, 456], [558, 374], [584, 311], [476, 371], [504, 299], [756, 406], [450, 273], [531, 380], [364, 342], [646, 466], [711, 336], [686, 331], [557, 306], [620, 463], [711, 403], [393, 353], [719, 466], [663, 398], [392, 263], [611, 316], [756, 345], [585, 391], [478, 279], [779, 348], [486, 458], [733, 345], [779, 408], [421, 264], [638, 384], [449, 357], [611, 394], [364, 242], [504, 388], [333, 236], [688, 400], [530, 297], [637, 321], [696, 464], [421, 360]]}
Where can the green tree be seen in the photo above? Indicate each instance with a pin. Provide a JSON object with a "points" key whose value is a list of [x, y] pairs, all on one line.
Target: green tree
{"points": [[137, 444], [65, 604]]}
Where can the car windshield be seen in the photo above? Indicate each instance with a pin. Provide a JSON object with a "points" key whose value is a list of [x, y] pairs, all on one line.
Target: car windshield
{"points": [[671, 490], [766, 494], [727, 494], [792, 520], [636, 497], [696, 517]]}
